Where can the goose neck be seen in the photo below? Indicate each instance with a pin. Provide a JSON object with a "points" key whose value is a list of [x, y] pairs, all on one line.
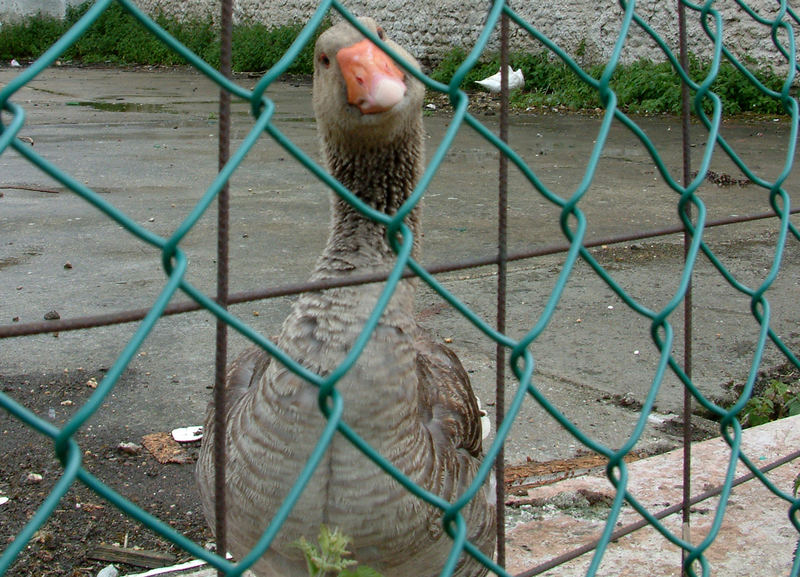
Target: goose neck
{"points": [[383, 177]]}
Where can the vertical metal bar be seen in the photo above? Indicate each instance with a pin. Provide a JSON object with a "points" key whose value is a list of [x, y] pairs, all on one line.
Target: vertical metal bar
{"points": [[687, 302], [502, 258], [220, 405]]}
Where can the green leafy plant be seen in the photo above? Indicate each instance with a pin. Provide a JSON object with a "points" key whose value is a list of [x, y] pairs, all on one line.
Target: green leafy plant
{"points": [[643, 86], [777, 400], [328, 558], [31, 36], [256, 47]]}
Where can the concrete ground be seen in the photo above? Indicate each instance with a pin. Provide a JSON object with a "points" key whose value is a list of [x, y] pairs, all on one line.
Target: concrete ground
{"points": [[146, 140], [756, 538]]}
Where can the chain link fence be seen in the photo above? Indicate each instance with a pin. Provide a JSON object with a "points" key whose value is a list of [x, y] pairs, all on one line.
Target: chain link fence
{"points": [[707, 108]]}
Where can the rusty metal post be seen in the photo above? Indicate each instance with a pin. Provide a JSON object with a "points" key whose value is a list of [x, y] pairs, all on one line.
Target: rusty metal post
{"points": [[502, 259], [226, 34], [687, 301]]}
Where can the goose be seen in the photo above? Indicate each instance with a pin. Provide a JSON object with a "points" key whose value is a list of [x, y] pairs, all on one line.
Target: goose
{"points": [[492, 83], [408, 396]]}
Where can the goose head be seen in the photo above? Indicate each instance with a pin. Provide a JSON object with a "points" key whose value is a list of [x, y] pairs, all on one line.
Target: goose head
{"points": [[361, 96]]}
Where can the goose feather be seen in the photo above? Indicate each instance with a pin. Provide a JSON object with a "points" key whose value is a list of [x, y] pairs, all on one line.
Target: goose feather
{"points": [[493, 83]]}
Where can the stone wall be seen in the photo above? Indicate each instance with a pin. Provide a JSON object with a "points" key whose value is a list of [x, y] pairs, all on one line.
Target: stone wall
{"points": [[11, 10], [431, 28]]}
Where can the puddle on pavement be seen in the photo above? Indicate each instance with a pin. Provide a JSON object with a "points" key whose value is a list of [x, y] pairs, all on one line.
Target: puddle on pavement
{"points": [[121, 106]]}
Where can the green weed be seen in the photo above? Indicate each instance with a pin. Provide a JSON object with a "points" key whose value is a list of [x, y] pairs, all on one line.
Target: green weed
{"points": [[642, 87], [328, 557], [117, 38], [256, 47], [777, 400], [32, 36]]}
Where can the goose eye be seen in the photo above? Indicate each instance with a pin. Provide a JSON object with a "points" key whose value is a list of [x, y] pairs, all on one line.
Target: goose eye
{"points": [[324, 60], [381, 33]]}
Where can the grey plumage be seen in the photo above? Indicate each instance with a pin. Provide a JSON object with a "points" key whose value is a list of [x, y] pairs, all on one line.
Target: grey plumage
{"points": [[408, 396]]}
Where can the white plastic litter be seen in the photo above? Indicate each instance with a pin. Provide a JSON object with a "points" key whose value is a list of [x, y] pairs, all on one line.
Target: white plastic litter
{"points": [[108, 571], [172, 569], [187, 434]]}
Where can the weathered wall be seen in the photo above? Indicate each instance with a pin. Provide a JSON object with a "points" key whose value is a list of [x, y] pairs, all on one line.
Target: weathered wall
{"points": [[431, 28], [15, 9]]}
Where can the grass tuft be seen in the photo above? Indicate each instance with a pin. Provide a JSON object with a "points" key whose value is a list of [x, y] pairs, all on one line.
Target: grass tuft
{"points": [[118, 38]]}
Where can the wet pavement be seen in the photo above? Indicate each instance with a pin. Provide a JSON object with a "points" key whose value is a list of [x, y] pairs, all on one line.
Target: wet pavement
{"points": [[146, 140]]}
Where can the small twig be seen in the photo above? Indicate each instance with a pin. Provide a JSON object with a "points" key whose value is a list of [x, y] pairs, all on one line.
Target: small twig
{"points": [[137, 557], [32, 188]]}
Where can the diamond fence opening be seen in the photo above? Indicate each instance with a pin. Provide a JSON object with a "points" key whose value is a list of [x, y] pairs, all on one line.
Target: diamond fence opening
{"points": [[707, 107]]}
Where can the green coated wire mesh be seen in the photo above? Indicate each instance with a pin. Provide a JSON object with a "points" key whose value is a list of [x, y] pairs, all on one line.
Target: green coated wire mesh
{"points": [[707, 107]]}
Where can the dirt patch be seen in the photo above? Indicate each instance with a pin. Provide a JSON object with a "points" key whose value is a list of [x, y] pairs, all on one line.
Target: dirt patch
{"points": [[488, 104], [611, 256], [785, 373], [83, 521]]}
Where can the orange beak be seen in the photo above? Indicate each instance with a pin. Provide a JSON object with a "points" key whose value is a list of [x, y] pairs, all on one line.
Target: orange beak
{"points": [[374, 82]]}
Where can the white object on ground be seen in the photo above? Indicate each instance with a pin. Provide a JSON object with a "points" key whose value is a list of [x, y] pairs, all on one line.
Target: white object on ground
{"points": [[187, 434], [486, 422], [108, 571], [171, 569], [492, 83], [194, 563]]}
